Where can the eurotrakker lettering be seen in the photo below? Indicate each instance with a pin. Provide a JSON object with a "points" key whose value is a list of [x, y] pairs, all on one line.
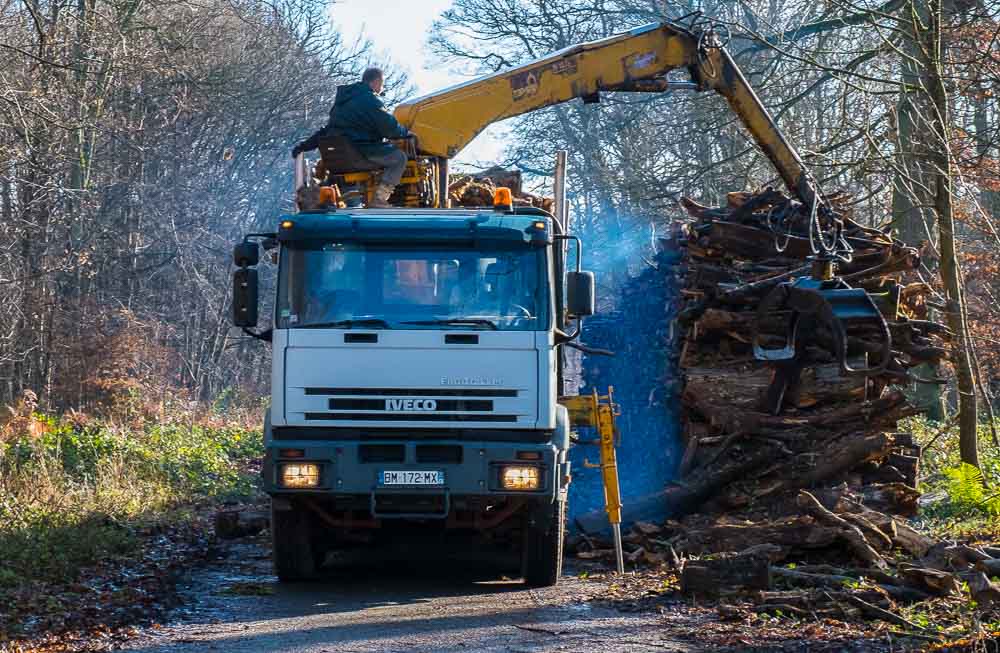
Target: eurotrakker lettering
{"points": [[472, 380]]}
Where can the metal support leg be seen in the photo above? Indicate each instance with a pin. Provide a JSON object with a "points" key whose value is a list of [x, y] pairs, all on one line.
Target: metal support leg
{"points": [[606, 412], [616, 530], [443, 201]]}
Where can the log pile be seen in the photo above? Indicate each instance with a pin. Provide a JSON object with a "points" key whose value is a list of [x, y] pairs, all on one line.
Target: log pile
{"points": [[477, 190], [827, 481], [834, 428]]}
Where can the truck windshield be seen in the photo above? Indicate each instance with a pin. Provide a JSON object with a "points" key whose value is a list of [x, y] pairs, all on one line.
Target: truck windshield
{"points": [[375, 286]]}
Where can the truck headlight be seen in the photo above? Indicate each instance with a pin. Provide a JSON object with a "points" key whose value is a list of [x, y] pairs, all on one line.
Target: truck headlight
{"points": [[520, 478], [299, 475]]}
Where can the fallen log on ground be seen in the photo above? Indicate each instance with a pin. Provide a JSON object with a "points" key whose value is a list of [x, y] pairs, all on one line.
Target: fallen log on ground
{"points": [[711, 577], [235, 523]]}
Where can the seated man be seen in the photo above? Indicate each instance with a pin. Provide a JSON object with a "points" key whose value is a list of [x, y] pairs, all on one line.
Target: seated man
{"points": [[359, 115]]}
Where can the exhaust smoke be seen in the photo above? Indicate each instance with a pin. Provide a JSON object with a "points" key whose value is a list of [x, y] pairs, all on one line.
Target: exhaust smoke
{"points": [[643, 372]]}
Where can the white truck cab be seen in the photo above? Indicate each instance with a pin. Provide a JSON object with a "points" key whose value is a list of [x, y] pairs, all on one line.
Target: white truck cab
{"points": [[415, 378]]}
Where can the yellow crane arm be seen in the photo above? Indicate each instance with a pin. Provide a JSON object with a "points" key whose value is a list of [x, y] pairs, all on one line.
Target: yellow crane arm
{"points": [[446, 121]]}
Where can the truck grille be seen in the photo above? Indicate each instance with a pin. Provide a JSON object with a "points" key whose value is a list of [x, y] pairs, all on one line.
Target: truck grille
{"points": [[439, 453], [411, 404], [479, 405], [411, 417], [411, 392], [429, 432], [382, 453]]}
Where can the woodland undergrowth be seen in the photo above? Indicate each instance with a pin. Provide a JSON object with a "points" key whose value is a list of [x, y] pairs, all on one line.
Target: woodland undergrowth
{"points": [[78, 491]]}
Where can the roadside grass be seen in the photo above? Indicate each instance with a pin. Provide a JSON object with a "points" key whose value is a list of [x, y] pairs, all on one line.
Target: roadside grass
{"points": [[958, 500], [77, 491]]}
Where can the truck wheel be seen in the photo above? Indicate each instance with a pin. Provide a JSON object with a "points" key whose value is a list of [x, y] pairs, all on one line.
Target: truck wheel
{"points": [[292, 545], [542, 556]]}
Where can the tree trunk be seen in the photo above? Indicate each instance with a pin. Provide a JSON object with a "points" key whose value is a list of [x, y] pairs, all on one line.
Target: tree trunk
{"points": [[940, 158], [911, 216]]}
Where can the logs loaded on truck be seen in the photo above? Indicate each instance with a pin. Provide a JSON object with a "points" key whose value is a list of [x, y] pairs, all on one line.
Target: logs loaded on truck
{"points": [[796, 458]]}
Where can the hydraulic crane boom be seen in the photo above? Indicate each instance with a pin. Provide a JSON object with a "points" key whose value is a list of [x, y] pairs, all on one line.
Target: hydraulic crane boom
{"points": [[639, 60]]}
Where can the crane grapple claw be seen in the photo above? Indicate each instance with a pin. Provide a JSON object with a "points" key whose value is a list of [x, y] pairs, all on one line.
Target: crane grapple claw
{"points": [[831, 303], [811, 303]]}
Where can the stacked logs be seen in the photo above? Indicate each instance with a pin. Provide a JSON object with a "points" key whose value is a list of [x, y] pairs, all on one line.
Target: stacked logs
{"points": [[477, 190], [827, 480], [833, 427]]}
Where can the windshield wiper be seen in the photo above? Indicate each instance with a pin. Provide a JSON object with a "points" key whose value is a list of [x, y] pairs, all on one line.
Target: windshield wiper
{"points": [[477, 321], [348, 324]]}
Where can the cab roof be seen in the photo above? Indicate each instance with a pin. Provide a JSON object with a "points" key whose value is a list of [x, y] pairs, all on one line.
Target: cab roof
{"points": [[526, 225]]}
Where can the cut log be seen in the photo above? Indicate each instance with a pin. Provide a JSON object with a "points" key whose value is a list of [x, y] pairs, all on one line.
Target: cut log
{"points": [[232, 524], [680, 500], [984, 592], [851, 534], [742, 468], [990, 567], [798, 533], [875, 536], [712, 577], [895, 498], [804, 579], [936, 582], [903, 535], [834, 460], [745, 386]]}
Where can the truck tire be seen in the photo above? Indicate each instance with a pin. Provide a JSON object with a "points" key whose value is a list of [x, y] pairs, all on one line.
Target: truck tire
{"points": [[292, 545], [542, 555]]}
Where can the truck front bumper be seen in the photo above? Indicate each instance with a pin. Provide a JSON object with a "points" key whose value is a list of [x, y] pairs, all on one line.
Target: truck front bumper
{"points": [[469, 468]]}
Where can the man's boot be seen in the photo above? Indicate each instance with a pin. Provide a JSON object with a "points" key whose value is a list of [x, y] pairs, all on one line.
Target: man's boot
{"points": [[381, 200]]}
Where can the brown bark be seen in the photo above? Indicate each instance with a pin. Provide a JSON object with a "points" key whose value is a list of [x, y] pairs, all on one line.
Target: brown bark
{"points": [[940, 158], [232, 524], [711, 577], [801, 532], [745, 386], [852, 534]]}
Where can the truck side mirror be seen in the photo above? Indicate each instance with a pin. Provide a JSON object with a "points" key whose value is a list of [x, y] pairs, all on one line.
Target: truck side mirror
{"points": [[245, 297], [246, 254], [580, 298]]}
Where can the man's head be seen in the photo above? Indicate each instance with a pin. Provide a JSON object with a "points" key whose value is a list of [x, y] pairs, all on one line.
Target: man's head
{"points": [[375, 79]]}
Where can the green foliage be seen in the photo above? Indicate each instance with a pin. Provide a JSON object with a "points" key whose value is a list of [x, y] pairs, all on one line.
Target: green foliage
{"points": [[959, 497], [72, 494], [966, 491]]}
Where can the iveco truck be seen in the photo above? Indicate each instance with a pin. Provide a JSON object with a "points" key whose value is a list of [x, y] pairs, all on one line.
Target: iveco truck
{"points": [[415, 377]]}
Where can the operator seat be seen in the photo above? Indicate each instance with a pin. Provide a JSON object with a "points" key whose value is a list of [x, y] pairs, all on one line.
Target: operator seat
{"points": [[340, 157]]}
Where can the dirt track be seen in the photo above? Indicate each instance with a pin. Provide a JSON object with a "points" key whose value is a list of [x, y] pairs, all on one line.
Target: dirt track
{"points": [[382, 605], [425, 599]]}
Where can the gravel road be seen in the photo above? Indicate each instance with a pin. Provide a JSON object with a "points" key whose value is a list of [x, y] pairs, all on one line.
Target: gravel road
{"points": [[424, 601]]}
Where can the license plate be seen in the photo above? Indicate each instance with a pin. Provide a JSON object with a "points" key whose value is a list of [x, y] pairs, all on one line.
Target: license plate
{"points": [[390, 477]]}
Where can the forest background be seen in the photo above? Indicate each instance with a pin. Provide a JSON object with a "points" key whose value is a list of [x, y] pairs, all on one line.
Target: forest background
{"points": [[140, 140]]}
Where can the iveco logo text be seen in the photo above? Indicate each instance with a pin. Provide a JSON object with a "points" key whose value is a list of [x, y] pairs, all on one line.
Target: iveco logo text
{"points": [[471, 380], [410, 404]]}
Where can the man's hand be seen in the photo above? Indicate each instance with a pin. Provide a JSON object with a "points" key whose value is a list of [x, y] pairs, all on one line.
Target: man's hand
{"points": [[296, 151]]}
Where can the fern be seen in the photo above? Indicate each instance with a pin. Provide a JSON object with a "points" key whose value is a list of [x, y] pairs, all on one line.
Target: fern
{"points": [[966, 490], [965, 485]]}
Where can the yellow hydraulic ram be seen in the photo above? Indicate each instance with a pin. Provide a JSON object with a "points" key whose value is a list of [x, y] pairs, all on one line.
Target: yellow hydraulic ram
{"points": [[599, 411]]}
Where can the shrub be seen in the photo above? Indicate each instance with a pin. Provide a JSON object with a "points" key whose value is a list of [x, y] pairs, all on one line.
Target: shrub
{"points": [[963, 493], [76, 491]]}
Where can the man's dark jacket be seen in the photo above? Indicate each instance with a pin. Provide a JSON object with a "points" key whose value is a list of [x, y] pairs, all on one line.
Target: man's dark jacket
{"points": [[359, 115]]}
